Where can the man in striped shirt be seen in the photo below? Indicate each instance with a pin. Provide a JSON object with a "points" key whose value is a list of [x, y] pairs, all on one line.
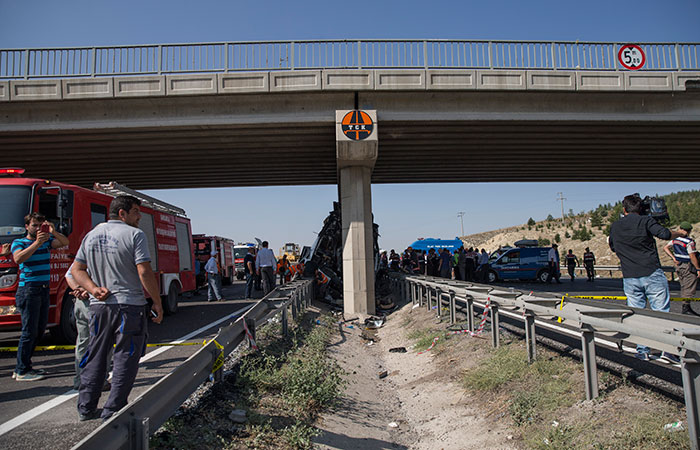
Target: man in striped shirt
{"points": [[33, 254]]}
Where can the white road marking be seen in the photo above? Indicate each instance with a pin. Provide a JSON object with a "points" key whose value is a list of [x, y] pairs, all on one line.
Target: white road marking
{"points": [[38, 410]]}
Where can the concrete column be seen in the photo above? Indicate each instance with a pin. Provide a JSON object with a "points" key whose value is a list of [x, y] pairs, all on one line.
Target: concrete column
{"points": [[356, 160]]}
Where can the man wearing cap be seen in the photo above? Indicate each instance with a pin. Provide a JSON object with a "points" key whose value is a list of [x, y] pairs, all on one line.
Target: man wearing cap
{"points": [[213, 276], [589, 262], [685, 256]]}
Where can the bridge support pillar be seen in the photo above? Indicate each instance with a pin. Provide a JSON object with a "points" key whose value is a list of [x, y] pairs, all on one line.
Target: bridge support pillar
{"points": [[356, 160]]}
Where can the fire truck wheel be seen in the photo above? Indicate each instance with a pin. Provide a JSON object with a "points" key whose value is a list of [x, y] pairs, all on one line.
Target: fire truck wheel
{"points": [[66, 330], [171, 300]]}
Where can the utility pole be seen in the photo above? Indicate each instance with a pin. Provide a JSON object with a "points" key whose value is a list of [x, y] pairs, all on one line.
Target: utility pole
{"points": [[561, 198], [461, 217]]}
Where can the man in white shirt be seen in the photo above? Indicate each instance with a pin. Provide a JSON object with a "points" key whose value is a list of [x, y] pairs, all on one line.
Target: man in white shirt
{"points": [[265, 266], [553, 260], [213, 277]]}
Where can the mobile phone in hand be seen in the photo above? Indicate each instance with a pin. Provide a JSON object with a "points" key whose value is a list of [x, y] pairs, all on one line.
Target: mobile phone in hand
{"points": [[45, 228]]}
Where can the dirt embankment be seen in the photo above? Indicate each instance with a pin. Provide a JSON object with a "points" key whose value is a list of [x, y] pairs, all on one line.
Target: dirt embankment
{"points": [[462, 394]]}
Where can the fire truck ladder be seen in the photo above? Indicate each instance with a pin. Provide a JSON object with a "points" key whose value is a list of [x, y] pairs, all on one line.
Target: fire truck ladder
{"points": [[114, 189]]}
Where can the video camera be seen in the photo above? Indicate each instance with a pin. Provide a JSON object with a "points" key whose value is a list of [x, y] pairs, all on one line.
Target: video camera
{"points": [[654, 207]]}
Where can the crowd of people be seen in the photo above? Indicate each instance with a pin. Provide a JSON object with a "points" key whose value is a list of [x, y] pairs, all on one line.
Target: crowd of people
{"points": [[464, 264]]}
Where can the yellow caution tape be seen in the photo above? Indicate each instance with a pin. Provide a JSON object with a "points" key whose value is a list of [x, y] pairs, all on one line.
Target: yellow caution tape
{"points": [[599, 297], [219, 363], [72, 347], [561, 307], [613, 297]]}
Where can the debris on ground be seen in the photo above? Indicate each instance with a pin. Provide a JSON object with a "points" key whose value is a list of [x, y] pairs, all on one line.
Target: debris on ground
{"points": [[382, 374], [238, 416], [674, 426], [374, 322], [397, 350]]}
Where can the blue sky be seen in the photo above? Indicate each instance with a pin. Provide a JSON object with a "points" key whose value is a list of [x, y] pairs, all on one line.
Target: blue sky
{"points": [[403, 212]]}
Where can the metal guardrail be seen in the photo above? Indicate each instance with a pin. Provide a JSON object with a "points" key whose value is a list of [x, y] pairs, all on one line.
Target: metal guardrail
{"points": [[334, 54], [663, 331], [131, 427]]}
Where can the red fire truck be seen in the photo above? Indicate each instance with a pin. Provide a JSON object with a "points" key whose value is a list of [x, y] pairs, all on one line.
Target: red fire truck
{"points": [[75, 211], [203, 246], [239, 252]]}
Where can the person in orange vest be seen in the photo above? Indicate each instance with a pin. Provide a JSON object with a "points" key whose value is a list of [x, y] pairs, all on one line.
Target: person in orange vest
{"points": [[322, 281], [283, 268]]}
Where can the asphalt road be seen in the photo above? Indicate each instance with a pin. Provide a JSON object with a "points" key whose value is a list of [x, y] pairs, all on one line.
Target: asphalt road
{"points": [[52, 402]]}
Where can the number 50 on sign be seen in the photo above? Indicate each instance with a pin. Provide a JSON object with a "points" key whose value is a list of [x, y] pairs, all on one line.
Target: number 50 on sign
{"points": [[631, 57]]}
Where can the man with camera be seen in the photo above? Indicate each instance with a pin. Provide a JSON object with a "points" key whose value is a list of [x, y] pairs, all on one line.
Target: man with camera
{"points": [[632, 239], [33, 254]]}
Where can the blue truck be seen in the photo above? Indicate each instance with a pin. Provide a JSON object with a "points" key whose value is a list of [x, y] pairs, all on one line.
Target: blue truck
{"points": [[526, 263]]}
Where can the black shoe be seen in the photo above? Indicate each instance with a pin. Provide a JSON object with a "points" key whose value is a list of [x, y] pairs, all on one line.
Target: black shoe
{"points": [[89, 416], [688, 310]]}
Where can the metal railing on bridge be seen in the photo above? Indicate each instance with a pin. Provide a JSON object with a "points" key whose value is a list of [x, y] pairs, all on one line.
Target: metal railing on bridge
{"points": [[334, 54]]}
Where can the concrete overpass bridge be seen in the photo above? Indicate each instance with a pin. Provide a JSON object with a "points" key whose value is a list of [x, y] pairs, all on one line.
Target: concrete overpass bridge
{"points": [[267, 113]]}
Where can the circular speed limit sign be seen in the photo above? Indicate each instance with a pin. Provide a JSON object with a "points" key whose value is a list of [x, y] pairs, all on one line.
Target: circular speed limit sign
{"points": [[631, 57]]}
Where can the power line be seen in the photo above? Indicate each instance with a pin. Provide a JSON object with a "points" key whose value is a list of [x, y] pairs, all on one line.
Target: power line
{"points": [[561, 198]]}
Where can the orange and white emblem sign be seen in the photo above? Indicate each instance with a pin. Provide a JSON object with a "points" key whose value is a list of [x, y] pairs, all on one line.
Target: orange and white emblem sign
{"points": [[357, 125]]}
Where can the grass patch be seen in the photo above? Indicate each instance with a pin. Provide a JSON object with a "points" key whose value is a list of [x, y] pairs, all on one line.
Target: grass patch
{"points": [[424, 338], [282, 387], [644, 431], [504, 365], [545, 403]]}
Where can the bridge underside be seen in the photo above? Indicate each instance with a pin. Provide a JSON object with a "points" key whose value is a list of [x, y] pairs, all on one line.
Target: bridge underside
{"points": [[289, 139]]}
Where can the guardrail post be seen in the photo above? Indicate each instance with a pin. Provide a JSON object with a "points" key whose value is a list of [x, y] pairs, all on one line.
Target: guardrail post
{"points": [[470, 314], [138, 433], [530, 339], [425, 55], [429, 295], [421, 294], [690, 372], [285, 326], [589, 365], [251, 328], [439, 303], [294, 308], [678, 58], [453, 308], [495, 335]]}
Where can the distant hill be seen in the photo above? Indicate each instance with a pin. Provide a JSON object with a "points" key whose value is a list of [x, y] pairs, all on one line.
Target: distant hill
{"points": [[589, 229]]}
